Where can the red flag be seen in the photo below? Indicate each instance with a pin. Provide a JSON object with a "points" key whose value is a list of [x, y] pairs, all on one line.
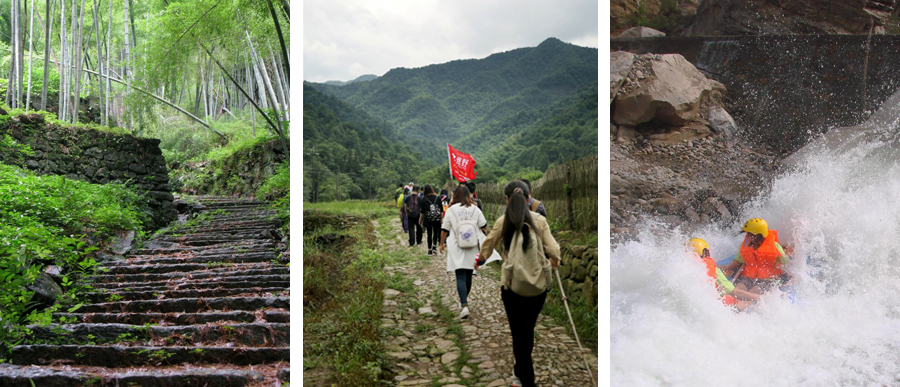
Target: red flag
{"points": [[462, 166]]}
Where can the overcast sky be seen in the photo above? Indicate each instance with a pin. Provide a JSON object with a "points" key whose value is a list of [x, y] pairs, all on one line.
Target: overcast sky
{"points": [[343, 39]]}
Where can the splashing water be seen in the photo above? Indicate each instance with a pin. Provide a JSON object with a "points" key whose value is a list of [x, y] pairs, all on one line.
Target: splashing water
{"points": [[840, 209]]}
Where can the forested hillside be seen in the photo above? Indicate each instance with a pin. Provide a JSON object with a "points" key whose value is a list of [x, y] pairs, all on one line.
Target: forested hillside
{"points": [[349, 152], [444, 102], [539, 138]]}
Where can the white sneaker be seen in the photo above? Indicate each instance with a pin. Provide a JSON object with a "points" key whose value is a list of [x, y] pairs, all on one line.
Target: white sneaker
{"points": [[464, 313]]}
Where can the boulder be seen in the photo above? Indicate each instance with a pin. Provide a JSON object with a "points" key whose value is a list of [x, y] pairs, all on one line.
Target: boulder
{"points": [[619, 66], [45, 290], [720, 121], [641, 32], [122, 243], [671, 93]]}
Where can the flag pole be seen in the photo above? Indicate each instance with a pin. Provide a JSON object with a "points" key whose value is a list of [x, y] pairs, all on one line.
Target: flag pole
{"points": [[449, 160]]}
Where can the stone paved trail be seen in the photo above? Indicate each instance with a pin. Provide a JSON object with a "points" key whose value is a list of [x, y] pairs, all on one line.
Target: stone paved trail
{"points": [[424, 345], [200, 306]]}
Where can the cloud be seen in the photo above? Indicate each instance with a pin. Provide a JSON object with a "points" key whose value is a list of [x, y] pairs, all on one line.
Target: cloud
{"points": [[344, 39]]}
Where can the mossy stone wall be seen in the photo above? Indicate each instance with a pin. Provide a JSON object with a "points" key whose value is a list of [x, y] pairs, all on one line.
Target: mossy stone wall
{"points": [[578, 270], [93, 156]]}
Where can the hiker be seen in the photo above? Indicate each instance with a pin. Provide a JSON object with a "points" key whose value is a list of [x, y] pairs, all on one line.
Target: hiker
{"points": [[399, 191], [465, 225], [403, 218], [762, 258], [431, 217], [413, 212], [729, 294], [445, 200], [525, 244], [534, 204], [471, 186]]}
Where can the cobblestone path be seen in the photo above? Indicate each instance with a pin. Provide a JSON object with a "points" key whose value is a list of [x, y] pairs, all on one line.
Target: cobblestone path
{"points": [[430, 345]]}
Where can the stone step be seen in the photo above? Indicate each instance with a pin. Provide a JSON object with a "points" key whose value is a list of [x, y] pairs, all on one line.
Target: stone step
{"points": [[189, 305], [161, 294], [122, 356], [215, 283], [30, 376], [213, 249], [185, 267], [206, 241], [251, 334], [272, 316], [273, 274], [221, 225], [261, 256]]}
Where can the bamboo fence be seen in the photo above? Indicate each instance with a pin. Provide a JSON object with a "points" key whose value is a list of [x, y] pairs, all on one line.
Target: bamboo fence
{"points": [[568, 191]]}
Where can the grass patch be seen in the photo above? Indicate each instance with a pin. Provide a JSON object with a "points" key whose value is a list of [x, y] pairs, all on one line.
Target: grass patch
{"points": [[585, 317], [343, 283], [362, 208]]}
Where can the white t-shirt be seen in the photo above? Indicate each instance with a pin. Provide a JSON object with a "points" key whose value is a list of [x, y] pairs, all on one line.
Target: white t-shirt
{"points": [[458, 258]]}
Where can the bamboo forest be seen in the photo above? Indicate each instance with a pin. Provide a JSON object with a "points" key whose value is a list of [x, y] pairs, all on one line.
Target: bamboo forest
{"points": [[144, 192]]}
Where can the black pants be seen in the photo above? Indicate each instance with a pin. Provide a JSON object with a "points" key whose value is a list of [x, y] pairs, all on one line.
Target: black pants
{"points": [[415, 231], [522, 313], [434, 235]]}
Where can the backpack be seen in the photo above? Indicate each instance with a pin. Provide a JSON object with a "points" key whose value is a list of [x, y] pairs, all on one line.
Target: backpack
{"points": [[433, 212], [414, 206], [527, 273], [466, 232], [534, 206], [400, 201]]}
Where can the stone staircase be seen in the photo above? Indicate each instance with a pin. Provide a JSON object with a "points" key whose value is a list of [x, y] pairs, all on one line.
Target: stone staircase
{"points": [[201, 305]]}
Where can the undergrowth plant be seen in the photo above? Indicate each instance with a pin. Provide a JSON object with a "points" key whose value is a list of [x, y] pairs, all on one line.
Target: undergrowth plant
{"points": [[51, 220]]}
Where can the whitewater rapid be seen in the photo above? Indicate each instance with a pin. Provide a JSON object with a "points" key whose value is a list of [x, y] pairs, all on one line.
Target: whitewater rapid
{"points": [[840, 208]]}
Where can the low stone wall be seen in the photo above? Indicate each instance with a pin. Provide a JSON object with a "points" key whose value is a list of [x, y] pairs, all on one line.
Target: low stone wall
{"points": [[95, 157], [578, 270]]}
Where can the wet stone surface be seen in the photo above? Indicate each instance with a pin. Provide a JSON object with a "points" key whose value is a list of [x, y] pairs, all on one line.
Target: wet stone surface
{"points": [[206, 304]]}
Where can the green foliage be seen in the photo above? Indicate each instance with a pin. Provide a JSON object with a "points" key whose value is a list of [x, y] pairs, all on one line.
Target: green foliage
{"points": [[534, 141], [667, 19], [584, 315], [348, 151], [343, 295], [278, 185], [45, 221], [445, 102]]}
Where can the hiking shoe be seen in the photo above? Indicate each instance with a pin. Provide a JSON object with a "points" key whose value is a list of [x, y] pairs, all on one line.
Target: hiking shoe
{"points": [[516, 382], [464, 313]]}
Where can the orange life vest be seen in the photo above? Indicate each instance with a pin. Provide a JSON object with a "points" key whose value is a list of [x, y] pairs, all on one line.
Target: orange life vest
{"points": [[761, 263], [711, 271]]}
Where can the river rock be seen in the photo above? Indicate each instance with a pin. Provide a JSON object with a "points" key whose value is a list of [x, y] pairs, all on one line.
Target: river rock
{"points": [[619, 66], [671, 94], [641, 32], [720, 121]]}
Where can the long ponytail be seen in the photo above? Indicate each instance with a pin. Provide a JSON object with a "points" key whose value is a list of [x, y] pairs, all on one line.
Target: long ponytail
{"points": [[517, 215]]}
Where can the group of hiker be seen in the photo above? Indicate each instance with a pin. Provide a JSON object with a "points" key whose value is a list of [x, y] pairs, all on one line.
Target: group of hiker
{"points": [[757, 267], [521, 236]]}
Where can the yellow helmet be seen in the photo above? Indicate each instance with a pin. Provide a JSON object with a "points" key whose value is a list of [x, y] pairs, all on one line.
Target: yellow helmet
{"points": [[757, 226], [698, 245]]}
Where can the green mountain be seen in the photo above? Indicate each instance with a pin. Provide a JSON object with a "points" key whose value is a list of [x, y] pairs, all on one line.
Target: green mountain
{"points": [[447, 102], [539, 138], [348, 151], [361, 78]]}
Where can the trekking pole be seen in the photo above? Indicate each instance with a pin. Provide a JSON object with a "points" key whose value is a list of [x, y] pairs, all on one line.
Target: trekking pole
{"points": [[563, 292]]}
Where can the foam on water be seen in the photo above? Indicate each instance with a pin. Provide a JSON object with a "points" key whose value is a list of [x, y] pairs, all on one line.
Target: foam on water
{"points": [[840, 209]]}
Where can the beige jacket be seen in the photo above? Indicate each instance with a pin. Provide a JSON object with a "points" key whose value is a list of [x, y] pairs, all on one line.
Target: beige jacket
{"points": [[495, 240]]}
